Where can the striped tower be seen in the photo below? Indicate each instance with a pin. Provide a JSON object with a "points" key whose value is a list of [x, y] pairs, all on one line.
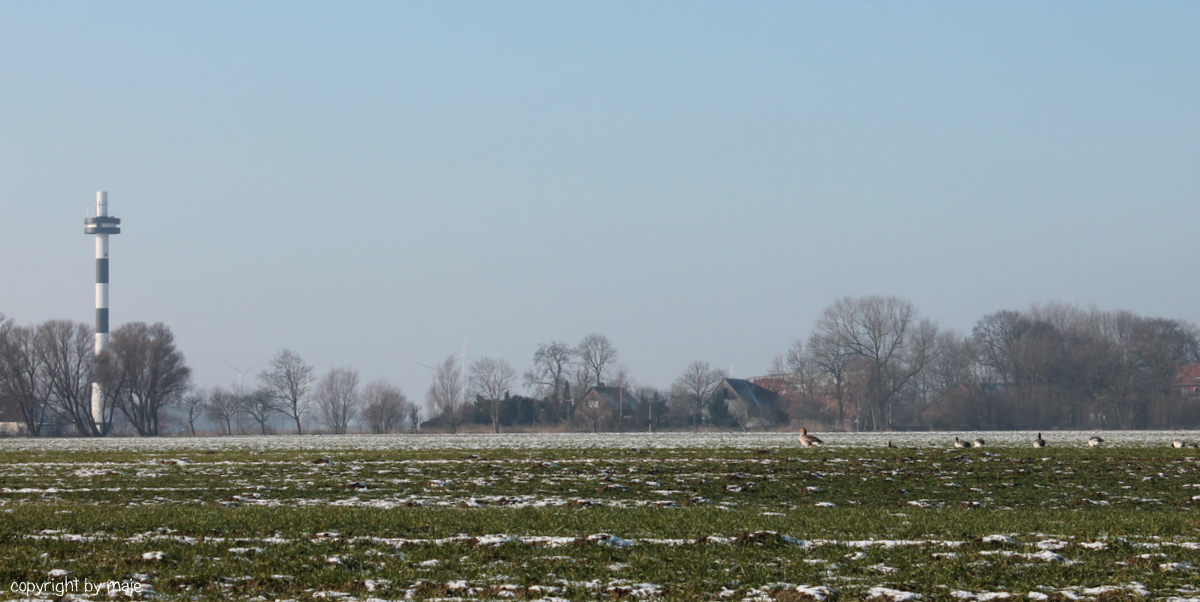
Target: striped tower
{"points": [[102, 225]]}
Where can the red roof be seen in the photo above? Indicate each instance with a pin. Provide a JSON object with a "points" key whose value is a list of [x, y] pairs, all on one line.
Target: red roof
{"points": [[1188, 374]]}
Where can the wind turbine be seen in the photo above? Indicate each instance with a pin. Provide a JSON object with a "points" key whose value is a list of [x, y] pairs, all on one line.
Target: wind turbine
{"points": [[241, 374]]}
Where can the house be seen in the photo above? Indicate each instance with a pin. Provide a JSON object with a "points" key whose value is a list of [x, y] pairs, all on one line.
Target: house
{"points": [[1187, 381], [605, 408], [750, 404], [11, 423]]}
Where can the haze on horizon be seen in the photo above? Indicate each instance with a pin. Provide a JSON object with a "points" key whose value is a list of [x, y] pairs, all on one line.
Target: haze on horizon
{"points": [[372, 184]]}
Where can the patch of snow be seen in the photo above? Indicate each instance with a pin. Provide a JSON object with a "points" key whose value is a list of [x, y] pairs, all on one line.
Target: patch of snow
{"points": [[610, 540], [894, 595]]}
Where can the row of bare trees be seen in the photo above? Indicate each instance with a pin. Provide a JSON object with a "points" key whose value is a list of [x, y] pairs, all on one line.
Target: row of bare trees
{"points": [[874, 363], [560, 375], [286, 390], [47, 373], [870, 363]]}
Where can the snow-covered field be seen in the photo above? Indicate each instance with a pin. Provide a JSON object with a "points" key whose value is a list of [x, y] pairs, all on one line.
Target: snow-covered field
{"points": [[539, 441], [612, 516]]}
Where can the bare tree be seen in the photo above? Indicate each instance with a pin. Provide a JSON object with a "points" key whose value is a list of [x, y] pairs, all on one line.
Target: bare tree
{"points": [[223, 408], [67, 353], [288, 380], [623, 382], [803, 383], [653, 406], [414, 417], [596, 353], [337, 399], [1026, 353], [957, 363], [445, 395], [891, 340], [692, 390], [260, 405], [384, 406], [194, 405], [577, 387], [549, 376], [22, 374], [830, 356], [491, 380], [144, 372]]}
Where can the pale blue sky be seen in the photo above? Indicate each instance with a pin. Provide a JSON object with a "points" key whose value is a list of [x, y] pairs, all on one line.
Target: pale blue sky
{"points": [[370, 183]]}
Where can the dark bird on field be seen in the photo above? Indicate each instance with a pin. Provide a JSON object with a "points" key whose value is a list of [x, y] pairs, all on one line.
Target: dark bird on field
{"points": [[959, 443], [1039, 442], [978, 443], [807, 440], [891, 445]]}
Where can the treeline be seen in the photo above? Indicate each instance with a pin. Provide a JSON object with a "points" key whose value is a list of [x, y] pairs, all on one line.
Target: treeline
{"points": [[874, 364], [871, 363], [47, 373], [335, 402]]}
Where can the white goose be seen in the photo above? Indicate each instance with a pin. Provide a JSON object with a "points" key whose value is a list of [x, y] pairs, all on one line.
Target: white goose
{"points": [[1095, 442]]}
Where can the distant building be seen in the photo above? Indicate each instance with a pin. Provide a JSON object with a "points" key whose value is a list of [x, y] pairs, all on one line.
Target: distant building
{"points": [[11, 423], [752, 405], [1187, 383], [605, 408]]}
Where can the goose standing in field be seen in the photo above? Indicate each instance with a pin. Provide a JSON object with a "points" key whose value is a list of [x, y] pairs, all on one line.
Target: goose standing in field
{"points": [[959, 443], [978, 443], [890, 445], [1039, 442], [807, 440], [1095, 442]]}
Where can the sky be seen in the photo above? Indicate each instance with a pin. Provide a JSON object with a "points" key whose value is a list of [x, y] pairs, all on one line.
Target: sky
{"points": [[375, 184]]}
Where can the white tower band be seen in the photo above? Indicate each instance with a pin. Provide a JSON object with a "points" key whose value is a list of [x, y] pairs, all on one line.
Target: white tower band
{"points": [[102, 225]]}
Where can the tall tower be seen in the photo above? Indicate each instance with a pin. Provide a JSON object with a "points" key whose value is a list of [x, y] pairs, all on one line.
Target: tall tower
{"points": [[102, 225]]}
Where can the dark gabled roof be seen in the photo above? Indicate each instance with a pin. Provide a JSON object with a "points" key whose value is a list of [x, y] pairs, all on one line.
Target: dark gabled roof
{"points": [[613, 395], [749, 392]]}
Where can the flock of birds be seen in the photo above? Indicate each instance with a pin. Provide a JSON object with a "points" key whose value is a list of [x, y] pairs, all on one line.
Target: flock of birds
{"points": [[810, 441]]}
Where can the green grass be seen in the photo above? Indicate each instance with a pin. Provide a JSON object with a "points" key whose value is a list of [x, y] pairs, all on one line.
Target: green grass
{"points": [[1138, 502]]}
